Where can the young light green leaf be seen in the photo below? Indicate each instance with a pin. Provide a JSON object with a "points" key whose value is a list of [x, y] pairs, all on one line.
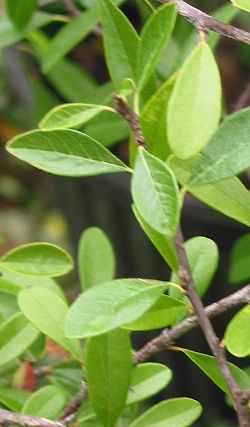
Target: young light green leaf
{"points": [[20, 11], [37, 259], [228, 152], [155, 193], [239, 261], [194, 107], [96, 258], [154, 38], [47, 402], [163, 313], [74, 115], [165, 245], [65, 152], [120, 42], [68, 37], [111, 305], [154, 123], [108, 385], [12, 398], [237, 337], [47, 311], [181, 412], [229, 196], [203, 257], [8, 305], [147, 379], [16, 335], [242, 4], [208, 364]]}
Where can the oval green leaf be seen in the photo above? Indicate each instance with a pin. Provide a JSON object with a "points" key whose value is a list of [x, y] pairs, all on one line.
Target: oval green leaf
{"points": [[96, 258], [181, 412], [108, 385], [152, 178], [13, 398], [67, 116], [21, 11], [37, 259], [47, 402], [237, 337], [195, 106], [111, 305], [239, 261], [64, 152]]}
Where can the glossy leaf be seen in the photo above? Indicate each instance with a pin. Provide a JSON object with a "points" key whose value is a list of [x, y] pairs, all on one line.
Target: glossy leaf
{"points": [[163, 313], [47, 312], [47, 402], [147, 379], [154, 120], [229, 196], [71, 116], [95, 258], [37, 259], [13, 398], [108, 385], [64, 152], [239, 261], [242, 4], [120, 42], [237, 338], [181, 412], [195, 107], [155, 193], [155, 35], [203, 257], [68, 37], [16, 335], [21, 11], [208, 364], [111, 305], [228, 152]]}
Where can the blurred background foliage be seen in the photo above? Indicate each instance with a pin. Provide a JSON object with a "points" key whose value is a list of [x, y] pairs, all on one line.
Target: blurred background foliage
{"points": [[59, 58]]}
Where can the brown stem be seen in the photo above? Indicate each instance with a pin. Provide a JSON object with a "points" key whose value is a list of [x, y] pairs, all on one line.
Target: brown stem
{"points": [[74, 405], [203, 21], [71, 8], [217, 350], [7, 417]]}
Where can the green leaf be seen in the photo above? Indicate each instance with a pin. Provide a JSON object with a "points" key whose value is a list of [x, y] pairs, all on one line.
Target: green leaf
{"points": [[181, 412], [96, 258], [108, 385], [8, 305], [208, 364], [163, 313], [154, 38], [242, 4], [13, 399], [21, 11], [37, 259], [111, 305], [16, 335], [120, 42], [239, 261], [68, 37], [165, 245], [47, 402], [154, 122], [203, 257], [229, 196], [65, 152], [147, 379], [228, 152], [74, 115], [194, 107], [47, 312], [237, 337], [152, 178]]}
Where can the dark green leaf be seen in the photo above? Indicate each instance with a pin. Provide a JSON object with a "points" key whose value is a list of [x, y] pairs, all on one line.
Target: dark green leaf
{"points": [[21, 11], [239, 263]]}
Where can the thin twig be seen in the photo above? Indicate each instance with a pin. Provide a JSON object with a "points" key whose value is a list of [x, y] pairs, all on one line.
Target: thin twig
{"points": [[132, 118], [203, 21], [168, 337], [71, 8], [71, 410], [7, 417], [185, 274]]}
